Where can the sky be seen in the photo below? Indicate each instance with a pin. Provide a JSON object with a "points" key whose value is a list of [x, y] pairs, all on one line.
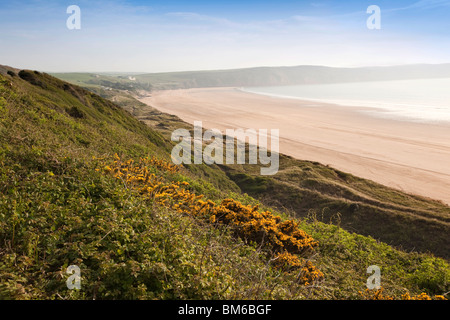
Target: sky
{"points": [[163, 36]]}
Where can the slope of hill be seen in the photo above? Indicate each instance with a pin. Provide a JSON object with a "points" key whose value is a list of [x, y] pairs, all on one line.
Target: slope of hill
{"points": [[85, 183]]}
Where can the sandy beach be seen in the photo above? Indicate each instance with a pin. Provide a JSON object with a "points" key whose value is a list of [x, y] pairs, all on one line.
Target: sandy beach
{"points": [[412, 157]]}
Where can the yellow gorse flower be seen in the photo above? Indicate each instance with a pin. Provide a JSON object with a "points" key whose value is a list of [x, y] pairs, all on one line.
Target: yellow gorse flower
{"points": [[379, 295], [252, 225], [284, 238]]}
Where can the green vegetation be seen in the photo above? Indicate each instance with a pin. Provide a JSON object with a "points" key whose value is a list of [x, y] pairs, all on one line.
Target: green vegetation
{"points": [[58, 207]]}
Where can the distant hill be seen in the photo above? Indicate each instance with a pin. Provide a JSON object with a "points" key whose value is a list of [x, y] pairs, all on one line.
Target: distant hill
{"points": [[279, 76], [260, 76]]}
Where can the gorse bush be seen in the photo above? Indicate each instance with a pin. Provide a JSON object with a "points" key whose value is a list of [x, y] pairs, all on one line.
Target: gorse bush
{"points": [[127, 246], [261, 228], [378, 294], [32, 77]]}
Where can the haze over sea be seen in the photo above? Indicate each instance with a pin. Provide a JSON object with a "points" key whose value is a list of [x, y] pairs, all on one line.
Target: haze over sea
{"points": [[418, 100]]}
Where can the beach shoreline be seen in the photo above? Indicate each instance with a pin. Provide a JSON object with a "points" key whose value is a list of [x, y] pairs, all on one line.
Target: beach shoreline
{"points": [[408, 156]]}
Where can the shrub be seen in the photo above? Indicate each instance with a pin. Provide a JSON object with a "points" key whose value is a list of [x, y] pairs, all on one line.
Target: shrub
{"points": [[32, 77], [262, 228], [75, 112]]}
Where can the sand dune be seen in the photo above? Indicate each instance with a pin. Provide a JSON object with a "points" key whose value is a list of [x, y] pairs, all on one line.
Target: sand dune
{"points": [[412, 157]]}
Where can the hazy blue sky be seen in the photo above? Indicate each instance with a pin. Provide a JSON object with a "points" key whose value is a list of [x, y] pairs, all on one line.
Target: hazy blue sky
{"points": [[153, 36]]}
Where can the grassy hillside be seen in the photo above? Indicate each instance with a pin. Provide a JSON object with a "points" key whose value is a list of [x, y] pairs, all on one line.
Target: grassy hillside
{"points": [[85, 183]]}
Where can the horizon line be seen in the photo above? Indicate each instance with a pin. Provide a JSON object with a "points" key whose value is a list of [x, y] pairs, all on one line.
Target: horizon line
{"points": [[243, 68]]}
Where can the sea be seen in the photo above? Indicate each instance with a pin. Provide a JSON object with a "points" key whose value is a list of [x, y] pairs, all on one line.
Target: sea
{"points": [[418, 100]]}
